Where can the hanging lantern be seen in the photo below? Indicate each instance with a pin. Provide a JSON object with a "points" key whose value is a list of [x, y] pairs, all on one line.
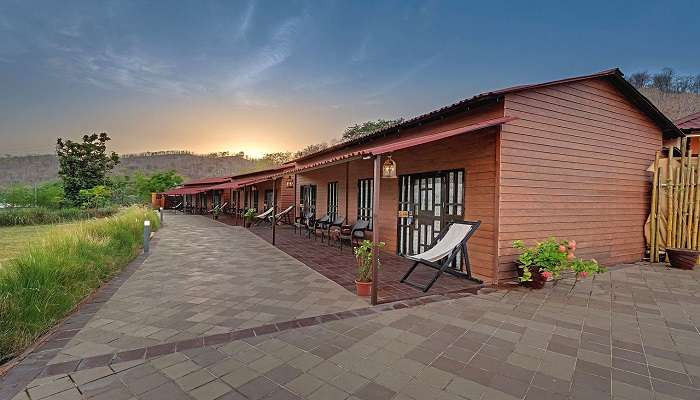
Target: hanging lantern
{"points": [[254, 188], [290, 182], [389, 168]]}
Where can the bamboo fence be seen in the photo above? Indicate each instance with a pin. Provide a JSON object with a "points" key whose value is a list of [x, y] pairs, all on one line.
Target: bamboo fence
{"points": [[676, 184]]}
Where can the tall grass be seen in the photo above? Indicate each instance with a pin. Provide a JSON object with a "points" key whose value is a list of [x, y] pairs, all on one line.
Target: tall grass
{"points": [[42, 216], [41, 286]]}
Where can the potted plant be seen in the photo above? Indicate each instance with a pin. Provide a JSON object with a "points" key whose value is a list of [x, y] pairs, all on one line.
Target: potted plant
{"points": [[215, 212], [363, 255], [546, 261], [248, 216], [682, 258]]}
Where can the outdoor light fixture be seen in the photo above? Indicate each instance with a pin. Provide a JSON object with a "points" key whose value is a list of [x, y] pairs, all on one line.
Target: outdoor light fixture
{"points": [[389, 168], [254, 188], [290, 182]]}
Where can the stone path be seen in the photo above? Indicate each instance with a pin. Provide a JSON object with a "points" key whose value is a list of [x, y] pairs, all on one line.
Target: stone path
{"points": [[205, 278], [628, 334]]}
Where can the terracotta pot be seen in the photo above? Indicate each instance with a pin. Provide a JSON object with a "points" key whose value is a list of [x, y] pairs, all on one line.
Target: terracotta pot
{"points": [[363, 288], [537, 282], [682, 258]]}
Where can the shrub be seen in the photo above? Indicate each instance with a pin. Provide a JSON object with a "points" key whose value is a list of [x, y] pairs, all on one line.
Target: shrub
{"points": [[42, 216], [41, 286], [364, 255]]}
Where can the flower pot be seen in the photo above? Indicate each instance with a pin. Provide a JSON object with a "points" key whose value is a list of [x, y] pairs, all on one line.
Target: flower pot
{"points": [[537, 282], [363, 288], [682, 258]]}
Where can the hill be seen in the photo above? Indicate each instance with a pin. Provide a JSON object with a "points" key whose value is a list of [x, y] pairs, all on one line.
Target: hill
{"points": [[40, 168], [674, 104]]}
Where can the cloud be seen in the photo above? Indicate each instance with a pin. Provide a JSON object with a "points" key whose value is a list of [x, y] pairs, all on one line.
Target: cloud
{"points": [[111, 69], [275, 52], [401, 79], [246, 21], [361, 53]]}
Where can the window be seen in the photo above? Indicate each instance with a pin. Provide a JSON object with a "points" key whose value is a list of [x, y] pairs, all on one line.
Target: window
{"points": [[333, 200], [364, 200], [255, 200]]}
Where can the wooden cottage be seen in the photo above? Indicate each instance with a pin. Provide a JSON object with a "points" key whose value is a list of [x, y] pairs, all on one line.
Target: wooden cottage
{"points": [[566, 158]]}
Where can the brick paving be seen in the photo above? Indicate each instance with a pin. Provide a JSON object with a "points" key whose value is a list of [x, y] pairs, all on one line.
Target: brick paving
{"points": [[205, 278], [632, 333], [339, 266]]}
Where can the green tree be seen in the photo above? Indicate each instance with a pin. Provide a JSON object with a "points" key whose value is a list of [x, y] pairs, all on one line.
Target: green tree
{"points": [[50, 195], [17, 196], [155, 183], [95, 197], [84, 165], [365, 128]]}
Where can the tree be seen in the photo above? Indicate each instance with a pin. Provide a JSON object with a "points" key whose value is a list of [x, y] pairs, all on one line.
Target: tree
{"points": [[310, 149], [278, 158], [365, 128], [663, 80], [17, 196], [640, 79], [156, 183], [98, 196], [84, 165]]}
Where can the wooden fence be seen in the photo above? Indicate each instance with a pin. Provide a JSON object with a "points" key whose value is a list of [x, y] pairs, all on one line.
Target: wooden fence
{"points": [[675, 202]]}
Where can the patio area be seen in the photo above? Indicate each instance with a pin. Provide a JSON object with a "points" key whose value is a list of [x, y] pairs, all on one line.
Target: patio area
{"points": [[340, 266]]}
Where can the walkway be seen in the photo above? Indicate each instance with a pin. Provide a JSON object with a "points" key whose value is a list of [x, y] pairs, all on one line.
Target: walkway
{"points": [[628, 334], [341, 266]]}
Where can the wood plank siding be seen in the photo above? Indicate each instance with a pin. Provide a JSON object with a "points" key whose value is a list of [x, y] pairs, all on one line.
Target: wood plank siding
{"points": [[573, 165], [474, 152]]}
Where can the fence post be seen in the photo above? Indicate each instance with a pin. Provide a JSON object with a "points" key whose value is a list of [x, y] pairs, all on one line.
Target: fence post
{"points": [[146, 235]]}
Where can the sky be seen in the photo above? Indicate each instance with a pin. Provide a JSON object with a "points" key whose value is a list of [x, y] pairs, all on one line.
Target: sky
{"points": [[266, 76]]}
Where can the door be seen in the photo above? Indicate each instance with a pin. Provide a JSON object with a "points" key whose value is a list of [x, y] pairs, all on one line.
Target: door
{"points": [[308, 199], [268, 199], [427, 202]]}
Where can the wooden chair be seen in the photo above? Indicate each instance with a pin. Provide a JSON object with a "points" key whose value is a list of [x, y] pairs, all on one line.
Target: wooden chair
{"points": [[353, 233], [451, 242]]}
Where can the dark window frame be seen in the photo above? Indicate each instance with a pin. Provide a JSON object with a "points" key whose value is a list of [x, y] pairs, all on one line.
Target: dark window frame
{"points": [[365, 200], [332, 200]]}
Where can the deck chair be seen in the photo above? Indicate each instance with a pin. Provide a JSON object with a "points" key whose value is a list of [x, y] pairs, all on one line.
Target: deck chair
{"points": [[264, 216], [319, 226], [284, 216], [451, 242], [354, 233], [337, 222]]}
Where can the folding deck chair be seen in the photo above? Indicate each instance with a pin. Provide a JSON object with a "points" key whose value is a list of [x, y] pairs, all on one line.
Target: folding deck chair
{"points": [[263, 217], [284, 215], [451, 242]]}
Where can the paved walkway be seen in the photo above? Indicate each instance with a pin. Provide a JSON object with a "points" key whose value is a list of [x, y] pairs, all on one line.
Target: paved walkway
{"points": [[628, 334], [204, 278]]}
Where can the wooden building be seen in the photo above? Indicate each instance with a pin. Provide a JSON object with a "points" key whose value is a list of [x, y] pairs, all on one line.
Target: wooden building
{"points": [[566, 158], [690, 125]]}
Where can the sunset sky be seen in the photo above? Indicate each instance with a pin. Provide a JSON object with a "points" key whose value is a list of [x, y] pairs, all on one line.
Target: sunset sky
{"points": [[263, 76]]}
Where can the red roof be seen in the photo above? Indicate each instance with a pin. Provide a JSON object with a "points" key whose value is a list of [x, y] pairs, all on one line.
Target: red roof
{"points": [[184, 190], [614, 75], [689, 122], [402, 144], [207, 181]]}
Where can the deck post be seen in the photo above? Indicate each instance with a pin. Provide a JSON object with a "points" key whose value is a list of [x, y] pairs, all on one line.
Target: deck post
{"points": [[274, 208], [375, 227]]}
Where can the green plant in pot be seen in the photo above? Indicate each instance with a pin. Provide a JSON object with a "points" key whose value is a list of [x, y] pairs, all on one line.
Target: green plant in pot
{"points": [[216, 212], [546, 261], [363, 255], [248, 216]]}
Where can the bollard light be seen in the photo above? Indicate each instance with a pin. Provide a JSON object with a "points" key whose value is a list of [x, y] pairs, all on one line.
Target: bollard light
{"points": [[146, 235], [160, 211]]}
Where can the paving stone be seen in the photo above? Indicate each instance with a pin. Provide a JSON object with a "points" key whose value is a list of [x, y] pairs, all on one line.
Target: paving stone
{"points": [[304, 384], [210, 391], [258, 388], [194, 380], [240, 376], [328, 392]]}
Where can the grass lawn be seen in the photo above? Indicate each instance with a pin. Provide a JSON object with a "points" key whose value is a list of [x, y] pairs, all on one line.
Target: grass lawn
{"points": [[14, 239]]}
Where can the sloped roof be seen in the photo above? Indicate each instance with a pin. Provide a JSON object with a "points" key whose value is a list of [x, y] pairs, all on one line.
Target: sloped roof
{"points": [[689, 122], [207, 181], [614, 75]]}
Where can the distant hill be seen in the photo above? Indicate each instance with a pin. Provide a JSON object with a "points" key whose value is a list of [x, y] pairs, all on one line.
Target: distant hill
{"points": [[674, 105], [40, 168]]}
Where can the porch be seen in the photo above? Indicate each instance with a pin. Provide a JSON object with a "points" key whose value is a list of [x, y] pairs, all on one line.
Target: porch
{"points": [[340, 266]]}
